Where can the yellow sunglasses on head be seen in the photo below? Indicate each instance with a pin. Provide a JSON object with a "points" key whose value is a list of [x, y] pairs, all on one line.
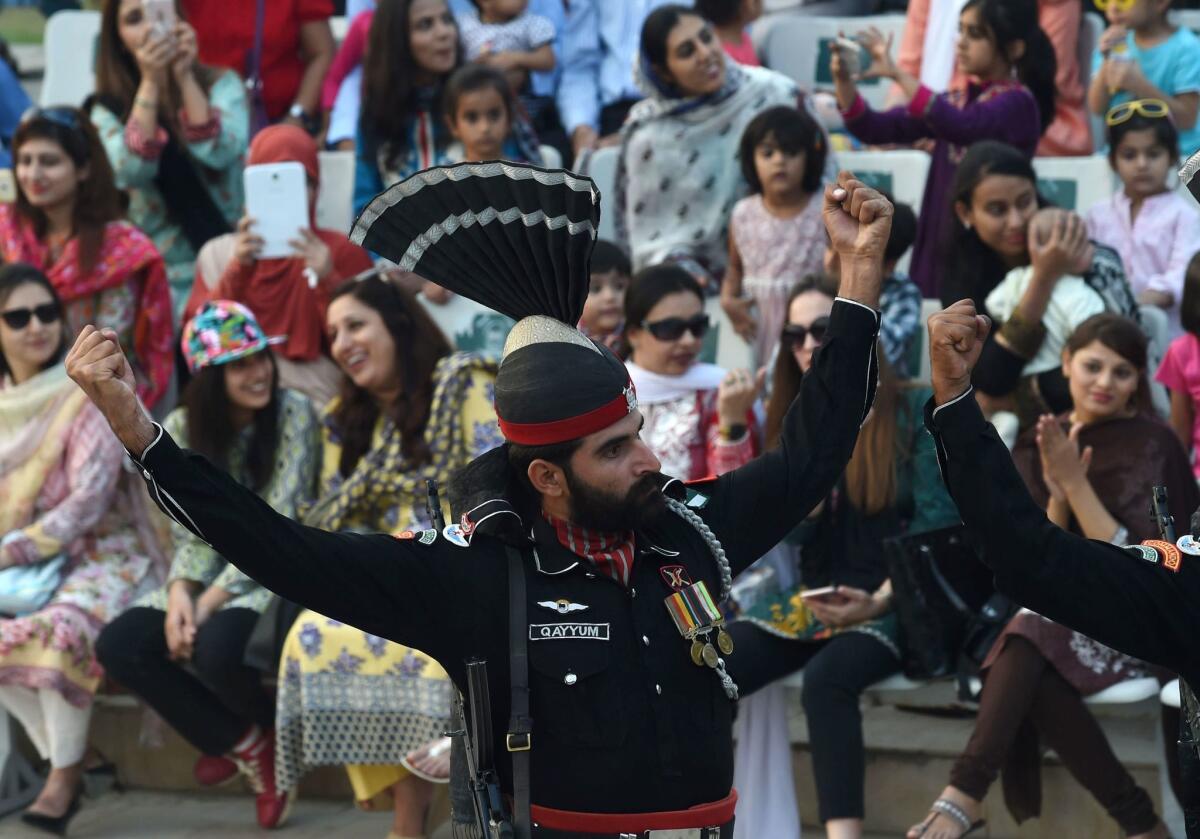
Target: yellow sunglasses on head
{"points": [[1119, 5], [1149, 108]]}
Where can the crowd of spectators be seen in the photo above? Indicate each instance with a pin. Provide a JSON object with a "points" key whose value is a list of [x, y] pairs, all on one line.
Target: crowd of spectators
{"points": [[320, 379]]}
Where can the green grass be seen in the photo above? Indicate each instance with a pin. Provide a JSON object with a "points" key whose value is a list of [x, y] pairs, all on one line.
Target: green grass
{"points": [[21, 25]]}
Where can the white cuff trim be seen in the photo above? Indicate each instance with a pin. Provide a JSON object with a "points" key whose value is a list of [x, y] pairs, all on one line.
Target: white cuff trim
{"points": [[970, 390]]}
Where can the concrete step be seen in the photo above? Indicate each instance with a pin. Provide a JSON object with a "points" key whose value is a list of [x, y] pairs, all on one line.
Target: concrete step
{"points": [[909, 757]]}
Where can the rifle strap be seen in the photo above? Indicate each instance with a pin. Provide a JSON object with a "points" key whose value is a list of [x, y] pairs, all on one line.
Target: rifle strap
{"points": [[520, 726]]}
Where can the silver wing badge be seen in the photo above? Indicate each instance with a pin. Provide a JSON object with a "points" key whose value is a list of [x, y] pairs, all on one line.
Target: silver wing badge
{"points": [[563, 607]]}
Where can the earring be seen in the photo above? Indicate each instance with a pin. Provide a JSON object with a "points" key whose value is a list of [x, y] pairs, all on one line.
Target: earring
{"points": [[967, 225]]}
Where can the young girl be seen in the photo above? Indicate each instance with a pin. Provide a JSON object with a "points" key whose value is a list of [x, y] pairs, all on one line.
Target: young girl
{"points": [[1142, 56], [1001, 46], [483, 118], [776, 234], [730, 18], [604, 312], [1153, 228], [1180, 368]]}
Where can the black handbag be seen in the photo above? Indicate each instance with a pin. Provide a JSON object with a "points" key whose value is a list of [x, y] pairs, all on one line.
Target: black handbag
{"points": [[939, 587], [265, 644]]}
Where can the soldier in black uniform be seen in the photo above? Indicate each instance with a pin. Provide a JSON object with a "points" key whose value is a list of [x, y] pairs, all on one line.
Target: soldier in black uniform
{"points": [[1145, 603], [629, 727]]}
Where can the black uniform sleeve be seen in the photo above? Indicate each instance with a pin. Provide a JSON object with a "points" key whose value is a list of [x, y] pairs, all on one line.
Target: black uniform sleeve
{"points": [[752, 508], [390, 588], [1132, 605]]}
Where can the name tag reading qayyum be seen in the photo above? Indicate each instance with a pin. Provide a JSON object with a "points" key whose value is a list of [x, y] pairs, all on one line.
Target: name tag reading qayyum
{"points": [[568, 631]]}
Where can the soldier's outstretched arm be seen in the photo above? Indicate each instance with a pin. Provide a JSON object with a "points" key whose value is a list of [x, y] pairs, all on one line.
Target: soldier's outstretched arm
{"points": [[358, 579], [1138, 607]]}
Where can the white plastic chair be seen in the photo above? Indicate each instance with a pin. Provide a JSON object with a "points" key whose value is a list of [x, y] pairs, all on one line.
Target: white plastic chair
{"points": [[1075, 183], [901, 172], [551, 157], [1186, 17], [798, 46], [70, 45], [732, 352], [601, 167], [335, 201]]}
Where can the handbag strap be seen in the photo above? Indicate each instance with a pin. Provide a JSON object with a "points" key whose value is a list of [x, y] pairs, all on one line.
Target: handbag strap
{"points": [[254, 61], [520, 726]]}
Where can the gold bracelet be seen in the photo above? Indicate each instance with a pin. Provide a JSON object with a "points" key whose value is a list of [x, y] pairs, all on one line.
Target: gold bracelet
{"points": [[145, 103]]}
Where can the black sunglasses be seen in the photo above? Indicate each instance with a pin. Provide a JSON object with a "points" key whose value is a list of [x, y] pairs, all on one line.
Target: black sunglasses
{"points": [[19, 318], [672, 329], [796, 335]]}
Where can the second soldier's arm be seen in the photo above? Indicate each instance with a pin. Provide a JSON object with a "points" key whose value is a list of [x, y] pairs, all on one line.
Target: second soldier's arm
{"points": [[1102, 591]]}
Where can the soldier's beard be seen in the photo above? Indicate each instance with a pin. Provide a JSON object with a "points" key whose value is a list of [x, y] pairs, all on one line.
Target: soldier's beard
{"points": [[597, 509]]}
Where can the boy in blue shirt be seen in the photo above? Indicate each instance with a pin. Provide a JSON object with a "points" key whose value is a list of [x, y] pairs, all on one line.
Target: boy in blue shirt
{"points": [[1142, 56]]}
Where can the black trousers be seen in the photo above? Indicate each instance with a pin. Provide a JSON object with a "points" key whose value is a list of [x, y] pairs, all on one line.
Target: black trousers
{"points": [[212, 700], [836, 672]]}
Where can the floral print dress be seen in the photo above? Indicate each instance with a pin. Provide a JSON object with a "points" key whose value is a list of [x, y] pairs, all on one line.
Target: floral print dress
{"points": [[83, 510], [350, 698]]}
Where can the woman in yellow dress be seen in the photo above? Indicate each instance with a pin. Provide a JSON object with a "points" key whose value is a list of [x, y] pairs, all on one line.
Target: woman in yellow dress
{"points": [[409, 411]]}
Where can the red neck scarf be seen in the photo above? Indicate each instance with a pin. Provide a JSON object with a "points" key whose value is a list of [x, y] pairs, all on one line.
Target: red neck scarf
{"points": [[611, 553]]}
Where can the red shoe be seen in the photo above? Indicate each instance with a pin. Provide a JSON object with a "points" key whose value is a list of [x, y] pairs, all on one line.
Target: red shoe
{"points": [[211, 771], [257, 762]]}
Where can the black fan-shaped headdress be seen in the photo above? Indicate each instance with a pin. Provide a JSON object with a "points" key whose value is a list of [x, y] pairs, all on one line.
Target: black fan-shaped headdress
{"points": [[517, 239]]}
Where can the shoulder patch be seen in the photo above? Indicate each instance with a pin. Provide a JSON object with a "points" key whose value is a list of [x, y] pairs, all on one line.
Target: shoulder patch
{"points": [[425, 537], [1172, 557], [1143, 552]]}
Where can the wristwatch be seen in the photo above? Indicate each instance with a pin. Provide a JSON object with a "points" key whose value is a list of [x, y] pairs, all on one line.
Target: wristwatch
{"points": [[309, 122]]}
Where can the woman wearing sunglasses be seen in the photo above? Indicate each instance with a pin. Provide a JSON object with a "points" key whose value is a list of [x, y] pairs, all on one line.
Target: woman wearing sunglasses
{"points": [[65, 495], [847, 638], [67, 221], [699, 418]]}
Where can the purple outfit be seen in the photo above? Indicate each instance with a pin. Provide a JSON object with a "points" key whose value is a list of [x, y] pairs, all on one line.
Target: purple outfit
{"points": [[1004, 111]]}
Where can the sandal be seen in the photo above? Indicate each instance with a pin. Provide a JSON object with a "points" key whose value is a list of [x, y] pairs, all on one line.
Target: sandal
{"points": [[956, 814]]}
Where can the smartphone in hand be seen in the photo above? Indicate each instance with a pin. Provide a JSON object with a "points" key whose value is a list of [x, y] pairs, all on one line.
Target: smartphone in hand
{"points": [[161, 14], [826, 594], [277, 200]]}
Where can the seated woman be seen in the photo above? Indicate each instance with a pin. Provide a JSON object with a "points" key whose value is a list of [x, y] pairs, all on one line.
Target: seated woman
{"points": [[66, 495], [1093, 468], [994, 198], [411, 50], [288, 295], [175, 132], [699, 419], [676, 179], [67, 221], [409, 412], [180, 647], [847, 639]]}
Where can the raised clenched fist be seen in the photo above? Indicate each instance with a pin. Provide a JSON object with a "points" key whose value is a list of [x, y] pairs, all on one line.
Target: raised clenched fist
{"points": [[858, 219], [956, 337]]}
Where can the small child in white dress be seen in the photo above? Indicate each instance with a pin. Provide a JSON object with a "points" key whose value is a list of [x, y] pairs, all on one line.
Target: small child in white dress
{"points": [[1071, 303]]}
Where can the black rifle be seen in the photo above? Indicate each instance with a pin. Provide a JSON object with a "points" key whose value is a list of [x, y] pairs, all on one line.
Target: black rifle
{"points": [[1161, 514], [433, 505], [1189, 760], [490, 814]]}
